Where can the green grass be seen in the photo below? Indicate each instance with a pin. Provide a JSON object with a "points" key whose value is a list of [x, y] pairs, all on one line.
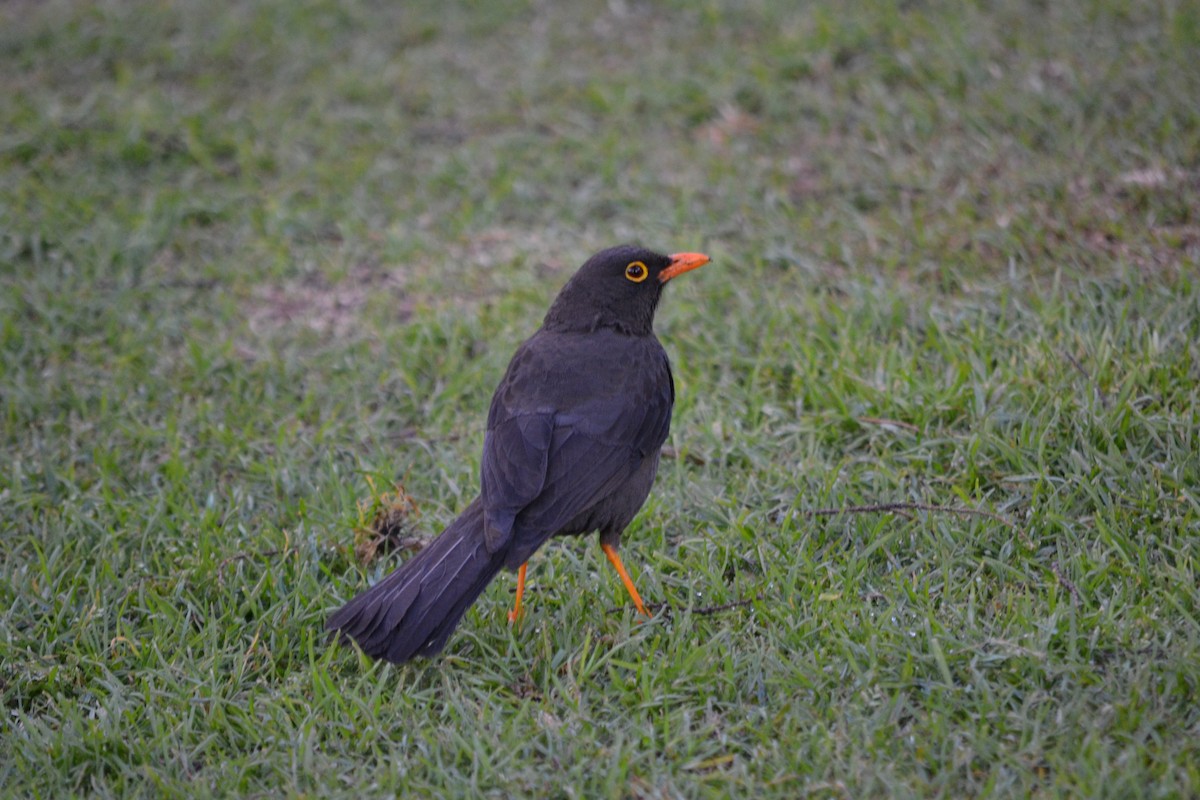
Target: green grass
{"points": [[260, 262]]}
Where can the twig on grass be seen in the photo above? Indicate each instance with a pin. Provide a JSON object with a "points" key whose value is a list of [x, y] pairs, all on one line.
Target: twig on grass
{"points": [[879, 508], [705, 610], [887, 423], [243, 557], [1101, 396], [1065, 582], [1074, 362]]}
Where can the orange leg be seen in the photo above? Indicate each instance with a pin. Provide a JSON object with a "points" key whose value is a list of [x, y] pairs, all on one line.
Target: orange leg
{"points": [[611, 552], [515, 614]]}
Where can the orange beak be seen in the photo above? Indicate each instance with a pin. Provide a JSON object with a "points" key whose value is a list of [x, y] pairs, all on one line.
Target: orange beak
{"points": [[681, 263]]}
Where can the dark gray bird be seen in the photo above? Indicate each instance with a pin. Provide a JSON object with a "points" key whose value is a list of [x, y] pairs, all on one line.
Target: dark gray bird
{"points": [[572, 445]]}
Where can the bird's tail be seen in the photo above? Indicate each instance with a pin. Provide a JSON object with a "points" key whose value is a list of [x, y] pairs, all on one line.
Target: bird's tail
{"points": [[413, 611]]}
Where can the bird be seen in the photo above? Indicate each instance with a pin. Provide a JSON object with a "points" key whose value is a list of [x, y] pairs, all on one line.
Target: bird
{"points": [[574, 432]]}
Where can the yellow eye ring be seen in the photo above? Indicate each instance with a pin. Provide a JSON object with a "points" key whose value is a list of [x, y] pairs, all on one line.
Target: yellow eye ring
{"points": [[636, 271]]}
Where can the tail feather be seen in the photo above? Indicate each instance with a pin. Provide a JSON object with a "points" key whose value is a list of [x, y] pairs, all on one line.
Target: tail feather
{"points": [[414, 610]]}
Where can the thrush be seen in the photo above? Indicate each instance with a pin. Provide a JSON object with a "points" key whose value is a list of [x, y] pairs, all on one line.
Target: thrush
{"points": [[572, 445]]}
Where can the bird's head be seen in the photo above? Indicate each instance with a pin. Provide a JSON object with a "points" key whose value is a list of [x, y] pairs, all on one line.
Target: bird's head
{"points": [[618, 288]]}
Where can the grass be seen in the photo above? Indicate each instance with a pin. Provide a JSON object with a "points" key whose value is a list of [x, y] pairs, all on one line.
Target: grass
{"points": [[259, 264]]}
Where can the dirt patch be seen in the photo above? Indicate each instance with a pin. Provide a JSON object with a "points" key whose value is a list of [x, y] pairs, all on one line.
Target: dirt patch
{"points": [[730, 125], [329, 309]]}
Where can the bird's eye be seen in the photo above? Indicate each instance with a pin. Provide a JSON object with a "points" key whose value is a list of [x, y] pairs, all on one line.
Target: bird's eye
{"points": [[636, 271]]}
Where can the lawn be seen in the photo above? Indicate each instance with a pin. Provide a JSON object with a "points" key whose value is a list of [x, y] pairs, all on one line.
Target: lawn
{"points": [[929, 519]]}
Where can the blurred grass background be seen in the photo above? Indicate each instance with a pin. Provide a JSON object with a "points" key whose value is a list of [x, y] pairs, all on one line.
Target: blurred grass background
{"points": [[260, 261]]}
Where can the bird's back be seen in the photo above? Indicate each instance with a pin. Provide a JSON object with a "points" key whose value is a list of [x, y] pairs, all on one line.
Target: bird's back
{"points": [[599, 406]]}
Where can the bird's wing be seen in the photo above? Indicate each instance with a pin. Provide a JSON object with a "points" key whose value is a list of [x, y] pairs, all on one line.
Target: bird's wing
{"points": [[516, 453], [551, 462]]}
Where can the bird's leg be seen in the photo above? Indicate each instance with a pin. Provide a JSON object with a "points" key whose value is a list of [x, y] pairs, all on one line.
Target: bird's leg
{"points": [[515, 614], [611, 552]]}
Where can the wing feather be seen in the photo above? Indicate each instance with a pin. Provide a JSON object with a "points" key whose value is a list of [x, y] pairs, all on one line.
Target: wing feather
{"points": [[602, 407]]}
